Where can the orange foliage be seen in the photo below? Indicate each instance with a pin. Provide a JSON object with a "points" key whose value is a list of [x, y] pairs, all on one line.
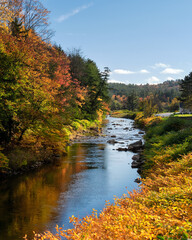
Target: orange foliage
{"points": [[42, 85], [162, 208], [146, 121]]}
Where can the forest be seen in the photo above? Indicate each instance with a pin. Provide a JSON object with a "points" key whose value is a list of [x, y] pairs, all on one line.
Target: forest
{"points": [[163, 97], [45, 93]]}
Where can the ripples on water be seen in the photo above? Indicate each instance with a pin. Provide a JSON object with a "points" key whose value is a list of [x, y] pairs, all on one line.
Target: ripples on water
{"points": [[92, 172]]}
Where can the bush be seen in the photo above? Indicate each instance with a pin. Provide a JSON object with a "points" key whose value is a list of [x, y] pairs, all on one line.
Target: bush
{"points": [[4, 162], [143, 122]]}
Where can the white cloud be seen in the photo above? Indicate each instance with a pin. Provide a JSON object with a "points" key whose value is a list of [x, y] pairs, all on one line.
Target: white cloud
{"points": [[122, 71], [153, 80], [114, 81], [161, 65], [170, 78], [144, 71], [172, 71], [73, 13]]}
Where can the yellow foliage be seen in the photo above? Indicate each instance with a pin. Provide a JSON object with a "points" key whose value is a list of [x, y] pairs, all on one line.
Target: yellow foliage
{"points": [[5, 13], [162, 207], [3, 161], [146, 121]]}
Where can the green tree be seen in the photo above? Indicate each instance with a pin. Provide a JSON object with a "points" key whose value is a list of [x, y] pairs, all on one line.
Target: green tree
{"points": [[132, 101], [94, 81], [77, 66], [9, 72], [186, 91]]}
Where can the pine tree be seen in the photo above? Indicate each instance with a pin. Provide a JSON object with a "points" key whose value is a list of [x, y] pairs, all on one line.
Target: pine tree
{"points": [[186, 91], [16, 27]]}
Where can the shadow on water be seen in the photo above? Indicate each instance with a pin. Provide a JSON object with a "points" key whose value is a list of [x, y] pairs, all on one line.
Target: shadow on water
{"points": [[91, 173]]}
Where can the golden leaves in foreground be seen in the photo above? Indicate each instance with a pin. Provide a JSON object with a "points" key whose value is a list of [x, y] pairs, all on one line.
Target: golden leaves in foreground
{"points": [[162, 209]]}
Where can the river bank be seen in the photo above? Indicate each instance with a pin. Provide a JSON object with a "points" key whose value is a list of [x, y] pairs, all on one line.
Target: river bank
{"points": [[29, 157], [92, 172], [161, 209]]}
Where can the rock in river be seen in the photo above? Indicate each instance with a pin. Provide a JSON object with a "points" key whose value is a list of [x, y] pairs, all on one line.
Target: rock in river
{"points": [[136, 164], [112, 141], [136, 146], [113, 136], [122, 149], [136, 157]]}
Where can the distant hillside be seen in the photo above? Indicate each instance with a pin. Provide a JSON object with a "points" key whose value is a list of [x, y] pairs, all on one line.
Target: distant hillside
{"points": [[163, 90], [160, 97]]}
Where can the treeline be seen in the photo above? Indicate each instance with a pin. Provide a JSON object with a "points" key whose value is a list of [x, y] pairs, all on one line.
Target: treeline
{"points": [[157, 98], [43, 90]]}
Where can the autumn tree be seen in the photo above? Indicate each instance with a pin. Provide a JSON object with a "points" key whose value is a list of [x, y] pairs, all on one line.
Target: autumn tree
{"points": [[149, 106], [5, 13], [174, 105], [30, 13], [40, 96], [36, 88]]}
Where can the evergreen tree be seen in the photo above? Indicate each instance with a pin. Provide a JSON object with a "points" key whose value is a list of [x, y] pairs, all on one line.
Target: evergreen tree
{"points": [[186, 91], [17, 28], [132, 101], [95, 82]]}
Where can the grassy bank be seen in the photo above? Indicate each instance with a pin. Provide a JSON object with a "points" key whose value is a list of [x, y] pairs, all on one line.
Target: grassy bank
{"points": [[183, 115], [123, 114], [167, 142], [162, 208]]}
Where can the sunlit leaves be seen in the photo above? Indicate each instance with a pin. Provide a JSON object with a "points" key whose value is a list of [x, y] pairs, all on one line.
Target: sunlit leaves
{"points": [[161, 209], [30, 97], [39, 99], [6, 14]]}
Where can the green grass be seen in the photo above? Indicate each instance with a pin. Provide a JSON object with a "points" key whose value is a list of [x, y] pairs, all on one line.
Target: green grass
{"points": [[183, 115], [123, 114], [167, 141]]}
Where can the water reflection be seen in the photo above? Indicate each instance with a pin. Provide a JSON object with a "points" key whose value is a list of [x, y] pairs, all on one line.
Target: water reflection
{"points": [[28, 202], [90, 174]]}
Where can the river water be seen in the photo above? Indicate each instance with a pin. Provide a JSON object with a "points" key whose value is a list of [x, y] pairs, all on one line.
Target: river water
{"points": [[92, 172]]}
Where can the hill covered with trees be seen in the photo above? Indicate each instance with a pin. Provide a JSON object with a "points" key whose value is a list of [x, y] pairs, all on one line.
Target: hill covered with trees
{"points": [[162, 97]]}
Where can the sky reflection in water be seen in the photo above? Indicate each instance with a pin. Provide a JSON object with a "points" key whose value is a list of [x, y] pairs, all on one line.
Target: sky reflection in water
{"points": [[92, 172]]}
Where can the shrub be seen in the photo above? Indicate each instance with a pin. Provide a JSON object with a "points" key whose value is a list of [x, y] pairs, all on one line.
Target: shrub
{"points": [[4, 162]]}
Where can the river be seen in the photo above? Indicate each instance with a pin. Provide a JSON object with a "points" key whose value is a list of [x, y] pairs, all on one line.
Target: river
{"points": [[92, 172]]}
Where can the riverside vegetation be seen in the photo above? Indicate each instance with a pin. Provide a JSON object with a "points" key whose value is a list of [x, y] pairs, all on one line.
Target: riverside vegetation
{"points": [[162, 208], [46, 95]]}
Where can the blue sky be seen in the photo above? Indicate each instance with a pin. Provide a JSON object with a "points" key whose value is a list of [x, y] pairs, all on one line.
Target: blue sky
{"points": [[141, 41]]}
